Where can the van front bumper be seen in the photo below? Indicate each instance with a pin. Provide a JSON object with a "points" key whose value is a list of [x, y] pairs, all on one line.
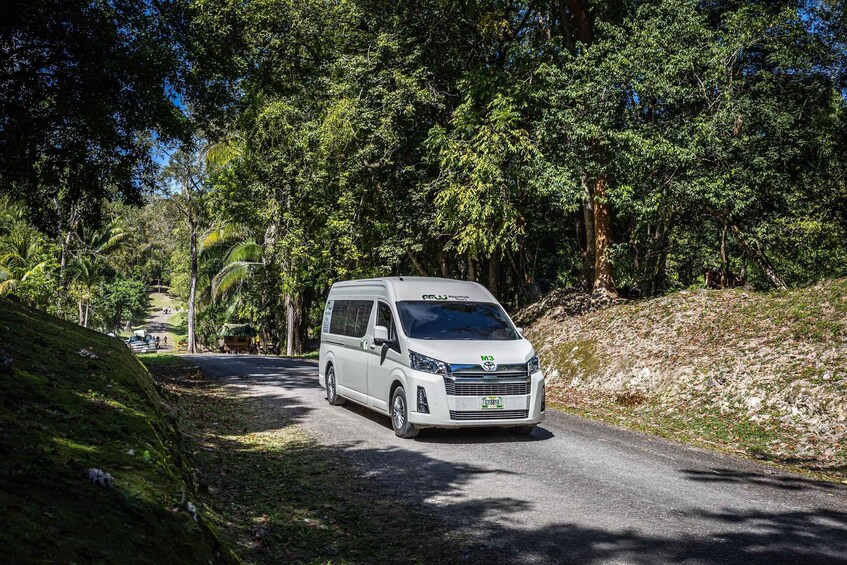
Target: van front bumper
{"points": [[463, 410]]}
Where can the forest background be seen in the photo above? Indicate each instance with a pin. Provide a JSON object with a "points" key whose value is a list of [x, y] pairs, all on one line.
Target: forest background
{"points": [[246, 155]]}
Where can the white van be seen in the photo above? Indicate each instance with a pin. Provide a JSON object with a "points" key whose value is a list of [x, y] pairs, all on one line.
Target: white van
{"points": [[429, 352]]}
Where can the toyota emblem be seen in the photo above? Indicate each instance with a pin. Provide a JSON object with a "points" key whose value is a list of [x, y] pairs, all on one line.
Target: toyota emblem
{"points": [[489, 366]]}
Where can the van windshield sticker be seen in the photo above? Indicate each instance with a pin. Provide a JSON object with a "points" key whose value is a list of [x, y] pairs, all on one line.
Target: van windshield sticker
{"points": [[327, 315], [444, 297]]}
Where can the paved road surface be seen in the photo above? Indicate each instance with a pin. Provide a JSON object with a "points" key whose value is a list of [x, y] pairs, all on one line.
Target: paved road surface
{"points": [[575, 491], [158, 323]]}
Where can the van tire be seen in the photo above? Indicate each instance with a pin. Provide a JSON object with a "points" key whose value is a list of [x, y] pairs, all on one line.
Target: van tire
{"points": [[524, 430], [332, 388], [400, 415]]}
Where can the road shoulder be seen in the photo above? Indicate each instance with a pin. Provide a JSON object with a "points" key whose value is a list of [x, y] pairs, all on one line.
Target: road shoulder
{"points": [[276, 494]]}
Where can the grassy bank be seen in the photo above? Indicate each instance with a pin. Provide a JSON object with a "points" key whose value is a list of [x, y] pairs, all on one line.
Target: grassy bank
{"points": [[278, 496], [763, 375], [72, 400]]}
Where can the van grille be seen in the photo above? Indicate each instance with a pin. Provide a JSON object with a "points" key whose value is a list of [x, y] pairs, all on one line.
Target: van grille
{"points": [[484, 389], [489, 415], [498, 375]]}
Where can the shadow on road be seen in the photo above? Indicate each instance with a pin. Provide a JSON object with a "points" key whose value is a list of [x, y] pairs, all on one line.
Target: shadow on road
{"points": [[778, 481], [813, 537], [497, 527], [452, 436]]}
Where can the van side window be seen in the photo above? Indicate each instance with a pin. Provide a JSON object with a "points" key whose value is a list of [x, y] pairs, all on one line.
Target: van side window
{"points": [[339, 317], [384, 318], [350, 317], [358, 316]]}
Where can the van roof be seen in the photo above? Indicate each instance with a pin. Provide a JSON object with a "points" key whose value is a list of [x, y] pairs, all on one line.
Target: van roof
{"points": [[424, 288]]}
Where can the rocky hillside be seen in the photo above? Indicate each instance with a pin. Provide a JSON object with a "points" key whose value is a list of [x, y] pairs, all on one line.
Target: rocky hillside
{"points": [[760, 373]]}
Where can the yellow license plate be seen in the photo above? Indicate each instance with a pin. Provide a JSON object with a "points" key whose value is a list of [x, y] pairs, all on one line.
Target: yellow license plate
{"points": [[492, 402]]}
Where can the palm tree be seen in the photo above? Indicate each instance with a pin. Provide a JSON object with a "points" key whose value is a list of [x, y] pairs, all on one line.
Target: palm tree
{"points": [[11, 214], [186, 174], [98, 242], [239, 263], [87, 274], [21, 254]]}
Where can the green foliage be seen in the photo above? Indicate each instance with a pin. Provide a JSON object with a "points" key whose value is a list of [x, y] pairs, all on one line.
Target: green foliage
{"points": [[372, 138], [26, 260], [87, 87], [122, 299], [485, 162], [369, 137]]}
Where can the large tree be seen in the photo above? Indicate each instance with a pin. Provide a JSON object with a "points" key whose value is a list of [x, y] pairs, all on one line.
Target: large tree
{"points": [[85, 88], [186, 183]]}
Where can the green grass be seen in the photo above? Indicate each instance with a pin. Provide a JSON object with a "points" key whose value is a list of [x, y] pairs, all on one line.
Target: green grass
{"points": [[276, 495], [161, 300], [308, 355], [62, 413]]}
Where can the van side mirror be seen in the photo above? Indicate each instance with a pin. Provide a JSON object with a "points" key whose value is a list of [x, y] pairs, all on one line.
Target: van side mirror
{"points": [[380, 335]]}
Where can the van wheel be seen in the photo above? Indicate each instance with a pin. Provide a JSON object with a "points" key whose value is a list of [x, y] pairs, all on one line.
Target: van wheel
{"points": [[332, 388], [400, 415], [524, 430]]}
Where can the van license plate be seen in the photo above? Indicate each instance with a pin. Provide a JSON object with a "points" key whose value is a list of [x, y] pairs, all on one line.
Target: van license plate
{"points": [[492, 402]]}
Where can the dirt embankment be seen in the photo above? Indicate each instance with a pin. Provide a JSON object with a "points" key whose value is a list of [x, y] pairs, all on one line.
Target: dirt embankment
{"points": [[763, 374], [91, 468]]}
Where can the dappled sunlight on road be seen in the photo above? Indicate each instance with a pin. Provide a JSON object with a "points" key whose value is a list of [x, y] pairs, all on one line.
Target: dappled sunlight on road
{"points": [[574, 491]]}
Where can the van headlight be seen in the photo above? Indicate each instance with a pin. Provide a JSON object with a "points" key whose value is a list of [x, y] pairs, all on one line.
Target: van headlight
{"points": [[533, 365], [426, 364]]}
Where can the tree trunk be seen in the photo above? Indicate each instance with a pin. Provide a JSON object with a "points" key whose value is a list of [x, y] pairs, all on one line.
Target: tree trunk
{"points": [[655, 259], [583, 20], [63, 264], [589, 251], [471, 269], [757, 254], [87, 308], [290, 321], [304, 305], [604, 283], [724, 262], [494, 273], [418, 267], [192, 289], [445, 266]]}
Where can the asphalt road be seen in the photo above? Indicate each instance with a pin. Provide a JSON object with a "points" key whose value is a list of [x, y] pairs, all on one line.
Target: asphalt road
{"points": [[575, 491]]}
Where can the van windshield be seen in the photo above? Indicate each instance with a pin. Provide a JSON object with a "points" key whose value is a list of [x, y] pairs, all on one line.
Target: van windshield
{"points": [[485, 321]]}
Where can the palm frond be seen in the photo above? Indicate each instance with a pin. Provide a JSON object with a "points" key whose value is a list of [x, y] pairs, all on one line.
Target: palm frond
{"points": [[248, 251], [114, 238], [221, 234], [219, 154], [235, 304], [38, 268], [232, 274]]}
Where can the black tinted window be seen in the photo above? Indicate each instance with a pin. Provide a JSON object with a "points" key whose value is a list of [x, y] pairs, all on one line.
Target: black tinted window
{"points": [[350, 317], [384, 318], [358, 315], [339, 317], [455, 320]]}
